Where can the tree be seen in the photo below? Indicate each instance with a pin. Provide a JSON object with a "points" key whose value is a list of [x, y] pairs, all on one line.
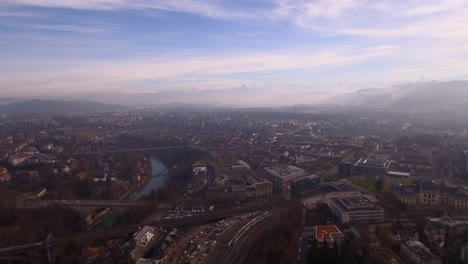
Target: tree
{"points": [[378, 184]]}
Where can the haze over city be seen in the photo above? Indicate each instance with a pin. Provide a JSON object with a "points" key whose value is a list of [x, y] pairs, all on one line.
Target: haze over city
{"points": [[234, 131], [298, 51]]}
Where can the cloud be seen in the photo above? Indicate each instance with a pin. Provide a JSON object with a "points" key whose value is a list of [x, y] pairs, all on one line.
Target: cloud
{"points": [[89, 75], [205, 8]]}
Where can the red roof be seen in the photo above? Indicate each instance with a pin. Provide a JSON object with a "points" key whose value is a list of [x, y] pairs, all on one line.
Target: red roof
{"points": [[3, 170], [326, 232]]}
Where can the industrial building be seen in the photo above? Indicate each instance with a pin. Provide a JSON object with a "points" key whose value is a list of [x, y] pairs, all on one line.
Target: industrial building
{"points": [[357, 208]]}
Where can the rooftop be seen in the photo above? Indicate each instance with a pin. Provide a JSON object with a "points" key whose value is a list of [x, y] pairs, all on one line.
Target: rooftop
{"points": [[388, 256], [328, 232], [355, 203], [284, 170], [419, 249], [373, 163]]}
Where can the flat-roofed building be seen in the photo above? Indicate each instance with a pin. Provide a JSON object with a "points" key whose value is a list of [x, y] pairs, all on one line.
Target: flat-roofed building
{"points": [[386, 256], [282, 176], [328, 233], [418, 253], [356, 208], [144, 240], [372, 166], [305, 185]]}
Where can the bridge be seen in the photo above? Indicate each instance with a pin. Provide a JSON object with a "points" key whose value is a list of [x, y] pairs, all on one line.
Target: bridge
{"points": [[84, 206], [127, 230], [130, 150]]}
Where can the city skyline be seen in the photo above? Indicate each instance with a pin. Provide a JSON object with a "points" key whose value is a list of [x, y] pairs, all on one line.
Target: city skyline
{"points": [[74, 48]]}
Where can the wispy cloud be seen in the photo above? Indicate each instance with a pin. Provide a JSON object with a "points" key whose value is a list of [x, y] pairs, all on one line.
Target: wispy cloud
{"points": [[213, 9], [411, 38], [98, 74]]}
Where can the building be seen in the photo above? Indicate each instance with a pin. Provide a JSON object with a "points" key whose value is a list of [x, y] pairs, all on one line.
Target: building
{"points": [[19, 158], [263, 189], [465, 152], [407, 195], [372, 166], [144, 240], [226, 189], [427, 193], [282, 176], [386, 256], [418, 253], [329, 234], [4, 175], [356, 208], [464, 253], [345, 169], [305, 185]]}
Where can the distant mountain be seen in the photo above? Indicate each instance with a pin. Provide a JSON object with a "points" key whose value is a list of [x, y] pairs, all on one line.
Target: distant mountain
{"points": [[41, 107], [449, 96], [242, 96]]}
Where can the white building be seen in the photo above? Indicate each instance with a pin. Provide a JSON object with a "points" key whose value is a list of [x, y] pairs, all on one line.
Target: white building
{"points": [[418, 253], [356, 208]]}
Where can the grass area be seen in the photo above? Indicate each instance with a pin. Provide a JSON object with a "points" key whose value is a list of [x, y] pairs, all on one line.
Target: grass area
{"points": [[368, 184]]}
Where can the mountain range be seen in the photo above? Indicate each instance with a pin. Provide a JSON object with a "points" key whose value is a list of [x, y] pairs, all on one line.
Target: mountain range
{"points": [[450, 95], [421, 96], [51, 107]]}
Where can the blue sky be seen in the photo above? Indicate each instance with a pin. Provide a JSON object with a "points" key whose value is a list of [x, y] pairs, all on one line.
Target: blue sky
{"points": [[77, 47]]}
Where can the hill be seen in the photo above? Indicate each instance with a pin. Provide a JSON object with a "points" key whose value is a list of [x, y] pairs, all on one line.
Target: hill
{"points": [[42, 107], [424, 96]]}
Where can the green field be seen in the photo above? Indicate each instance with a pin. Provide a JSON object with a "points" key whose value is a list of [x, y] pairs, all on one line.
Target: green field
{"points": [[368, 184]]}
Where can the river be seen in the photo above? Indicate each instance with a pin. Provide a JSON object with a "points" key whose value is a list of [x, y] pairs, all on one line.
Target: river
{"points": [[158, 178]]}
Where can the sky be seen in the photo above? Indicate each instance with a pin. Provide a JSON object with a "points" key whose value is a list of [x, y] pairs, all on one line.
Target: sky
{"points": [[78, 47]]}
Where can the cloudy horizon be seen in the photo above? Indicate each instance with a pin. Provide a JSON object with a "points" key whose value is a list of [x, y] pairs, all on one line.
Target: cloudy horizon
{"points": [[77, 48]]}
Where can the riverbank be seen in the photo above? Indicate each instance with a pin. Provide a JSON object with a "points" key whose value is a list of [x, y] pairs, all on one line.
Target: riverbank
{"points": [[159, 174]]}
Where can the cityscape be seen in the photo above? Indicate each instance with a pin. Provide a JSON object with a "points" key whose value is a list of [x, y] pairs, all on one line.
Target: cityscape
{"points": [[234, 132], [233, 186]]}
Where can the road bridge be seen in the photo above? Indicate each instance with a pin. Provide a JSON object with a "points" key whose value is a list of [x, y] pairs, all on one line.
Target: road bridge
{"points": [[127, 230], [129, 150], [86, 206]]}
